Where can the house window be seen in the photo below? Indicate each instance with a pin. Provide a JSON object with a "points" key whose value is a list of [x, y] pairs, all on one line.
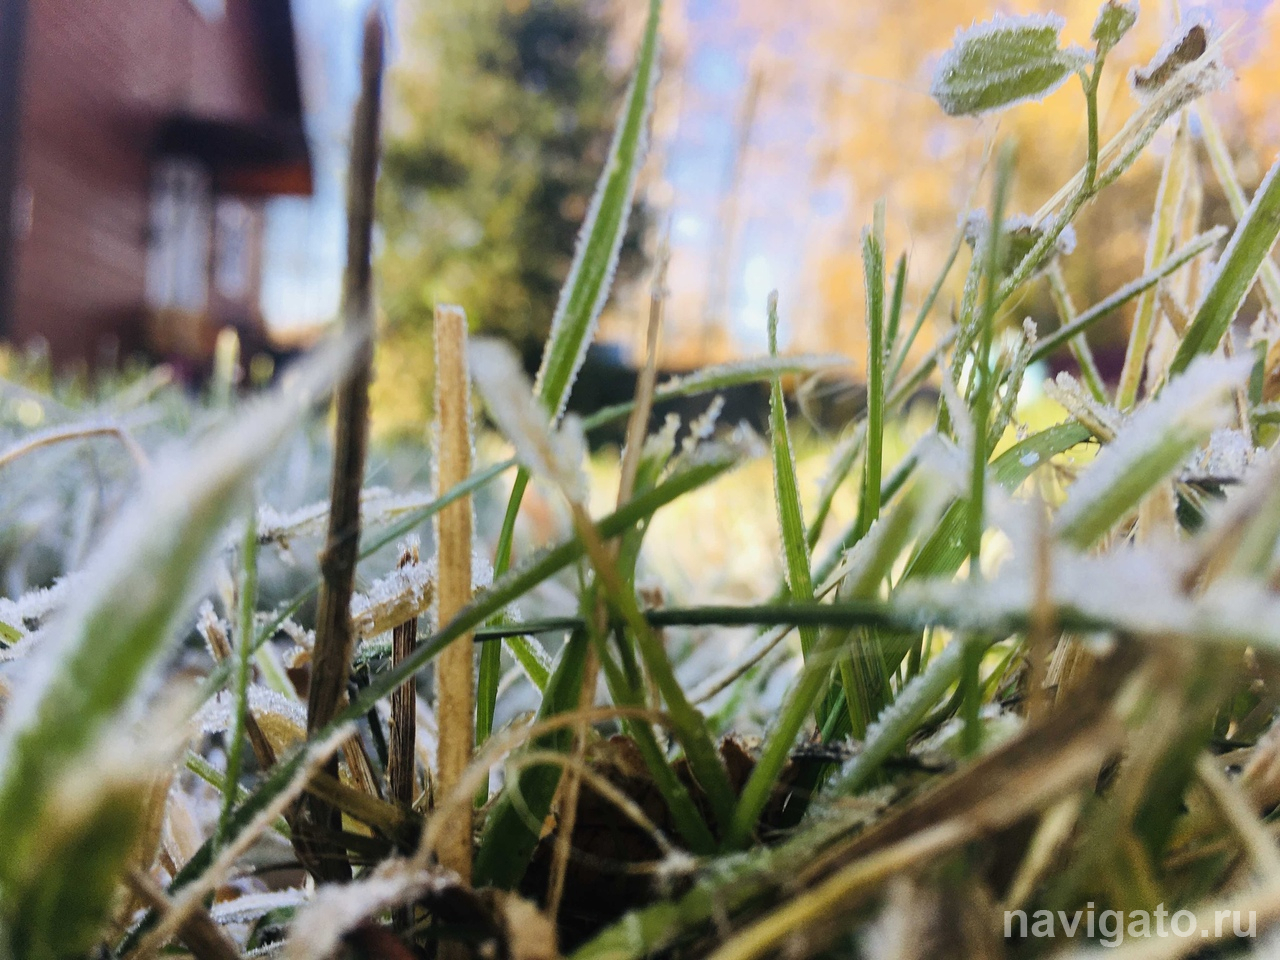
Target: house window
{"points": [[210, 9], [181, 228], [233, 223]]}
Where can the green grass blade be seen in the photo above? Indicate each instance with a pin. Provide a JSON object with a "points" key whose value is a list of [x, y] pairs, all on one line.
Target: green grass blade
{"points": [[1174, 180], [873, 270], [1224, 169], [514, 825], [587, 287], [721, 377], [902, 718], [843, 458], [1184, 255], [1238, 267], [895, 307], [878, 550], [240, 692], [787, 491]]}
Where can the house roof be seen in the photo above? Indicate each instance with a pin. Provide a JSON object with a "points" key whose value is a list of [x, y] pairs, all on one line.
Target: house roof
{"points": [[261, 158]]}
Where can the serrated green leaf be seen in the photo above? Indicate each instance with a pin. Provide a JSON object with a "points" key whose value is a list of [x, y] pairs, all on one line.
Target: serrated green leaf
{"points": [[1001, 62]]}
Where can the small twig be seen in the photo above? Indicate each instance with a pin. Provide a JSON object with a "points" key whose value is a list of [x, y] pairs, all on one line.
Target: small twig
{"points": [[1240, 817], [455, 668], [201, 934], [331, 661], [49, 438]]}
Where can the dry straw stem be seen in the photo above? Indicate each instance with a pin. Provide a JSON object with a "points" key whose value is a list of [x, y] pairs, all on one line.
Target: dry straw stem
{"points": [[1042, 766], [65, 434], [1173, 187], [331, 660], [455, 672], [199, 933], [403, 725]]}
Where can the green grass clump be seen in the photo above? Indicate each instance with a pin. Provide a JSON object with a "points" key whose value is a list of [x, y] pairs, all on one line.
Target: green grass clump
{"points": [[1034, 669]]}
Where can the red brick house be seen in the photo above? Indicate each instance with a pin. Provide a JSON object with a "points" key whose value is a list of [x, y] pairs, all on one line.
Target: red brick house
{"points": [[139, 140]]}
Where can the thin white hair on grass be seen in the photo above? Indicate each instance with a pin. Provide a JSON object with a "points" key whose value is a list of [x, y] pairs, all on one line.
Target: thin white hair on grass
{"points": [[316, 932], [661, 444], [758, 369], [26, 615], [36, 605], [378, 506], [1134, 589], [1184, 414], [267, 952], [510, 401], [1227, 457], [943, 463]]}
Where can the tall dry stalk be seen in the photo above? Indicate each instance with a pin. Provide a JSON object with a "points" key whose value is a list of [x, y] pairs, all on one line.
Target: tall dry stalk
{"points": [[331, 663], [455, 678]]}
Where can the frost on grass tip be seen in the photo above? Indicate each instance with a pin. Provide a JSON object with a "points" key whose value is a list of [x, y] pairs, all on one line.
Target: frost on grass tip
{"points": [[1004, 61]]}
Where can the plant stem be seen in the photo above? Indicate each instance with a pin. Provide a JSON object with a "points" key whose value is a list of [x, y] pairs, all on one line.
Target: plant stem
{"points": [[240, 692], [404, 723], [331, 660], [455, 692], [972, 690]]}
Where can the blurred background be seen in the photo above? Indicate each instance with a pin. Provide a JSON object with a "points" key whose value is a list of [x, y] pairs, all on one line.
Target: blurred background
{"points": [[173, 168]]}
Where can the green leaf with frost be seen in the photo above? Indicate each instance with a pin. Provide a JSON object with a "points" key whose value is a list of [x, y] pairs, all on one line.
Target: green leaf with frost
{"points": [[591, 275], [56, 907], [1115, 19], [1004, 61], [786, 491], [1235, 273]]}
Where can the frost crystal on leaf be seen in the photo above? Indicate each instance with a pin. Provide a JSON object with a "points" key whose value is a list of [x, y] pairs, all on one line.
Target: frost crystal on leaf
{"points": [[1115, 19], [1225, 459], [1192, 41], [1004, 61], [704, 427], [1155, 442], [1104, 422]]}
